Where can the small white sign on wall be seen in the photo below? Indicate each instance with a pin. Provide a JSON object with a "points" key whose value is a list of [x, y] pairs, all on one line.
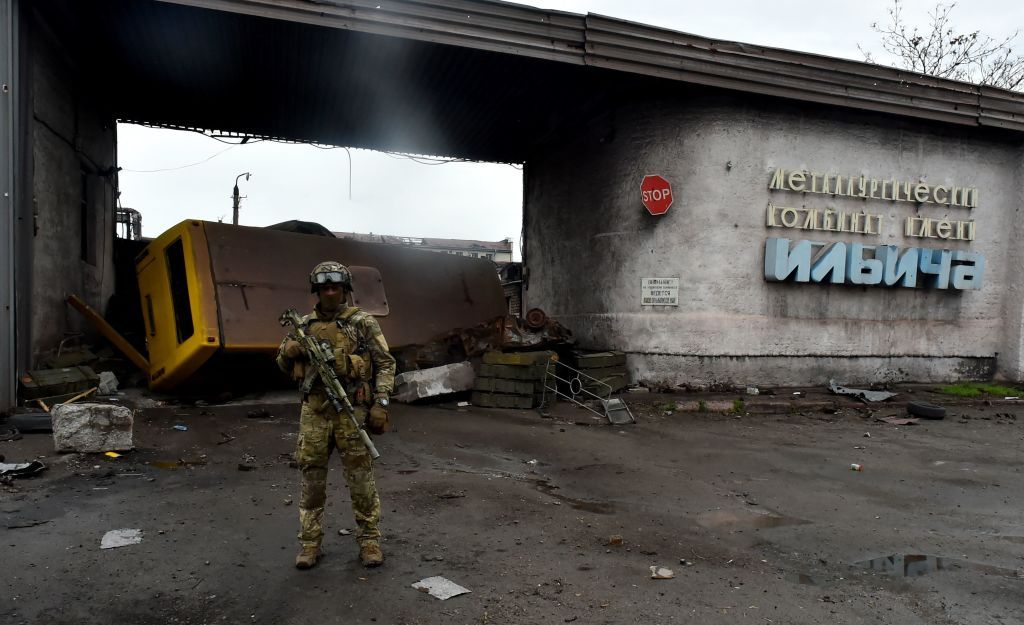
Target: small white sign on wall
{"points": [[659, 291]]}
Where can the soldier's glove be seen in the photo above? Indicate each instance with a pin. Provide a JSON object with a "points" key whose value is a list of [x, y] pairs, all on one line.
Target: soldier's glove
{"points": [[377, 421], [299, 371], [293, 350]]}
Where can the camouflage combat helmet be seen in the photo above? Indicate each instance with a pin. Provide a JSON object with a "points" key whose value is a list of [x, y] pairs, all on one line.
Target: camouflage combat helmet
{"points": [[330, 272]]}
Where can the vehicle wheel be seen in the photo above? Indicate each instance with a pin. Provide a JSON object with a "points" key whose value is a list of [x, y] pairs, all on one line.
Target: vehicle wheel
{"points": [[925, 410]]}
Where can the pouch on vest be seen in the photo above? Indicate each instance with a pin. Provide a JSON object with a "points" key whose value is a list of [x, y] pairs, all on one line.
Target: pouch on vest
{"points": [[359, 369], [341, 362]]}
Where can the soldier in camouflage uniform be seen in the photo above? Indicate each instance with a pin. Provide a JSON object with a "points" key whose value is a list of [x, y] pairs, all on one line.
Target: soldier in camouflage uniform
{"points": [[367, 371]]}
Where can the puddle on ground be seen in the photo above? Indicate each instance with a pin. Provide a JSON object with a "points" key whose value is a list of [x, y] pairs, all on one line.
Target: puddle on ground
{"points": [[733, 521], [176, 464], [597, 507], [916, 565], [165, 464]]}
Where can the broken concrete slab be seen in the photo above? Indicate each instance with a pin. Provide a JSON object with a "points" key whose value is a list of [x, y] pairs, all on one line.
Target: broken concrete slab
{"points": [[433, 382], [92, 427], [107, 384], [121, 538]]}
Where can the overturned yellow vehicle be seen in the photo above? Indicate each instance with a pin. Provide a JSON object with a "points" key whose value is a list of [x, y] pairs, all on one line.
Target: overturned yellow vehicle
{"points": [[211, 293]]}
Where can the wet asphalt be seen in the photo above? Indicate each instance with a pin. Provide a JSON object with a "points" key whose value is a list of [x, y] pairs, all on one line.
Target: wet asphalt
{"points": [[759, 518]]}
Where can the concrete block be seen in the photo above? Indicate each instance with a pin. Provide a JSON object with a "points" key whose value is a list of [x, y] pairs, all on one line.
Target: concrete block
{"points": [[453, 378], [108, 383], [92, 428]]}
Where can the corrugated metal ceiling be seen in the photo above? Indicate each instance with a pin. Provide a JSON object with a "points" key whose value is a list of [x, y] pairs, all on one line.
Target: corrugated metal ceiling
{"points": [[470, 78], [175, 65]]}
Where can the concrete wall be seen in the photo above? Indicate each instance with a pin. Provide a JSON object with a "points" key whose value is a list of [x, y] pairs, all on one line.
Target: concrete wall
{"points": [[589, 242], [69, 138]]}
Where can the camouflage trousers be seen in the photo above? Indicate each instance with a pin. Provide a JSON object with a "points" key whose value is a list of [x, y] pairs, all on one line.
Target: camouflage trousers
{"points": [[321, 430]]}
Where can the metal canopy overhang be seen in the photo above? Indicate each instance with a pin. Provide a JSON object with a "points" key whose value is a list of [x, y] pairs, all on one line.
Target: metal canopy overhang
{"points": [[616, 44], [471, 78]]}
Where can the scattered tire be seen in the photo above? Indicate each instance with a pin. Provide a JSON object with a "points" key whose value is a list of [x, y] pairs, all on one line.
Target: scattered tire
{"points": [[31, 422], [9, 433], [925, 410]]}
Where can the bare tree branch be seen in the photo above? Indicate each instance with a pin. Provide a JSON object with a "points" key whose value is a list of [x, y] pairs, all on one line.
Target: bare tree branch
{"points": [[938, 49]]}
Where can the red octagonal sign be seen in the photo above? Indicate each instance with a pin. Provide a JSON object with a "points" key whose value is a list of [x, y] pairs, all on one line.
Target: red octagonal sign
{"points": [[656, 194]]}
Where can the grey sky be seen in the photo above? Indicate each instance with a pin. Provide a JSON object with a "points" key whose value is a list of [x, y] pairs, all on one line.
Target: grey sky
{"points": [[479, 201]]}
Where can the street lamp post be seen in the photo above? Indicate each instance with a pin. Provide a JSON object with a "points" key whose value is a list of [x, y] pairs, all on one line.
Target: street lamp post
{"points": [[236, 199]]}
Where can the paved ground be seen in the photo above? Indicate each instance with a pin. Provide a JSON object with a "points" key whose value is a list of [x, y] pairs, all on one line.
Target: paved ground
{"points": [[763, 510]]}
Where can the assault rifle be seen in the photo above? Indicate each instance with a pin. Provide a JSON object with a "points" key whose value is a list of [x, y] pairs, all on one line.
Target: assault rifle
{"points": [[321, 358]]}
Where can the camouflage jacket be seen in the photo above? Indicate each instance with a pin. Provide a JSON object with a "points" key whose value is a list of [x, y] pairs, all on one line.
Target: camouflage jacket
{"points": [[361, 352]]}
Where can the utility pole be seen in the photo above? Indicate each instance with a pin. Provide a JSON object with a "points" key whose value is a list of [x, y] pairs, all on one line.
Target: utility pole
{"points": [[236, 199]]}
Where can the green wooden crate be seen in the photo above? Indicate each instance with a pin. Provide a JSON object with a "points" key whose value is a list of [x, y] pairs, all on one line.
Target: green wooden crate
{"points": [[512, 372], [597, 360], [499, 400], [51, 382], [517, 358], [509, 387]]}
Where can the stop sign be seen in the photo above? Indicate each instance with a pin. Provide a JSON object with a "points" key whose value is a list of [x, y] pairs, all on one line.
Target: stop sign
{"points": [[656, 194]]}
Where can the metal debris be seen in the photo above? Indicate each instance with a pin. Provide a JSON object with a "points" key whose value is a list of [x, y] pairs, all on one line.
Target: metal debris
{"points": [[21, 469], [504, 333], [859, 393], [440, 587]]}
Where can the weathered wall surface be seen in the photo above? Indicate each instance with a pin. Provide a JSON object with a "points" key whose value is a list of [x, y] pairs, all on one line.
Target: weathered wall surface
{"points": [[589, 242], [72, 145], [1011, 358]]}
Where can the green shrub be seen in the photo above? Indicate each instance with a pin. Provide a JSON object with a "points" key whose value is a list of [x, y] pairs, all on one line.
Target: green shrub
{"points": [[977, 389]]}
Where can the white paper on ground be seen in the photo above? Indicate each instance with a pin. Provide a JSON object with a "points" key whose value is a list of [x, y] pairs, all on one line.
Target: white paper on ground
{"points": [[440, 587], [121, 538]]}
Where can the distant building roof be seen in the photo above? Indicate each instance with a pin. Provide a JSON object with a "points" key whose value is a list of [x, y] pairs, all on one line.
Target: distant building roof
{"points": [[425, 242]]}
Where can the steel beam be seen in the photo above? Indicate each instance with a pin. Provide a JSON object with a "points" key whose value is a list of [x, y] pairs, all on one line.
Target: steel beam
{"points": [[9, 94]]}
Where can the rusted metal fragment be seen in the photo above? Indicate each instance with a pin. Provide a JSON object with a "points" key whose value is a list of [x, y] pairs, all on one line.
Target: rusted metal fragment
{"points": [[504, 333], [108, 331]]}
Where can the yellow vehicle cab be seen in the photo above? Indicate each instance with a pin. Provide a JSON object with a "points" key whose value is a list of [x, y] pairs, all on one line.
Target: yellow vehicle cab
{"points": [[213, 290]]}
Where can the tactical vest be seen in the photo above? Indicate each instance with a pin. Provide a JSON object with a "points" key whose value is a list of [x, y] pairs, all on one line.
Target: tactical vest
{"points": [[352, 360]]}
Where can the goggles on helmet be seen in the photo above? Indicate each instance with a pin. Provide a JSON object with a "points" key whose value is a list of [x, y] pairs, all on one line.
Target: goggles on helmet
{"points": [[328, 276]]}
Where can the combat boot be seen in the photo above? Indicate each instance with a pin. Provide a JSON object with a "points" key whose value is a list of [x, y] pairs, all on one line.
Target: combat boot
{"points": [[370, 553], [308, 557]]}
